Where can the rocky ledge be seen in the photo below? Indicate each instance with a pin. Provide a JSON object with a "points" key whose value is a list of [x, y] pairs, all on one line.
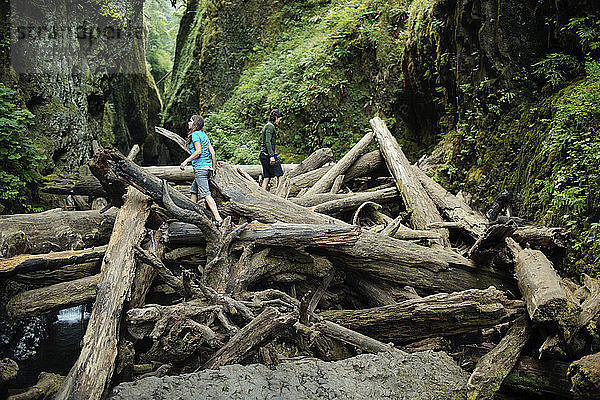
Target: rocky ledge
{"points": [[427, 375]]}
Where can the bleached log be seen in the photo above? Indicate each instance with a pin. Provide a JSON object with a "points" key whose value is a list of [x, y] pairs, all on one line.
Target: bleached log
{"points": [[24, 263], [363, 342], [91, 375], [539, 284], [323, 184], [365, 165], [316, 160], [472, 222], [349, 203], [416, 199]]}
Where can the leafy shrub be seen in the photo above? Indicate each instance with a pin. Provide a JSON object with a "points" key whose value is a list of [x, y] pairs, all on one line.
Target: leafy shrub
{"points": [[19, 157]]}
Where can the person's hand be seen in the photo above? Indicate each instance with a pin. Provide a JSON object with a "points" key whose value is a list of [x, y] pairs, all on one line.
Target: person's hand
{"points": [[272, 161], [182, 166]]}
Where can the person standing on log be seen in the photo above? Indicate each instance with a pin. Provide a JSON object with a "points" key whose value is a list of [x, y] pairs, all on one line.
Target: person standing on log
{"points": [[204, 160], [270, 162]]}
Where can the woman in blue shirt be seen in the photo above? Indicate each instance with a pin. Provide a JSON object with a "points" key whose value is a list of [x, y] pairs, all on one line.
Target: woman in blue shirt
{"points": [[203, 160]]}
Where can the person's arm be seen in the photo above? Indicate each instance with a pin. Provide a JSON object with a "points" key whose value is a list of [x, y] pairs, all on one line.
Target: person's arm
{"points": [[269, 132], [192, 156], [213, 156]]}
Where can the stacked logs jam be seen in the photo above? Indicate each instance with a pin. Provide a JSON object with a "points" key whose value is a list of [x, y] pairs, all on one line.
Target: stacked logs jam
{"points": [[366, 254]]}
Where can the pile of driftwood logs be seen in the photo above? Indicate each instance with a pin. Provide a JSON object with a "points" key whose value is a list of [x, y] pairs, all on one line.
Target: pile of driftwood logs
{"points": [[364, 255]]}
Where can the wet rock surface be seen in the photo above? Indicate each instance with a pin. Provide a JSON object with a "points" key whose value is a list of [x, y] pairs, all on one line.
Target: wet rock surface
{"points": [[425, 375]]}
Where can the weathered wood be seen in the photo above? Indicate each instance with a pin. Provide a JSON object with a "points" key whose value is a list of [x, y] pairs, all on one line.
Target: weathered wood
{"points": [[92, 372], [490, 371], [584, 375], [53, 230], [172, 136], [363, 342], [591, 306], [135, 149], [53, 298], [45, 388], [8, 370], [436, 315], [539, 377], [539, 284], [319, 198], [323, 184], [300, 184], [493, 237], [27, 262], [261, 330], [365, 165], [375, 294], [416, 199], [383, 257], [337, 184], [351, 202], [144, 273], [316, 160], [472, 222], [542, 237]]}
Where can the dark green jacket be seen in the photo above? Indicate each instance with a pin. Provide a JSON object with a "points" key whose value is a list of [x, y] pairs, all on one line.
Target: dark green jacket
{"points": [[269, 138]]}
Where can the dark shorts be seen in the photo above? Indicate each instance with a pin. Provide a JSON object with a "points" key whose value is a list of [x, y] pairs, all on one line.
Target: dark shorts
{"points": [[269, 170]]}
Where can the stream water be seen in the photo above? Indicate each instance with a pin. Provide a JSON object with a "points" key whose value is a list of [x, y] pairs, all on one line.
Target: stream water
{"points": [[59, 350]]}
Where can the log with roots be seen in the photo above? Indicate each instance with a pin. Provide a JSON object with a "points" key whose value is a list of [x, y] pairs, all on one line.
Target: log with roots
{"points": [[53, 230], [382, 257]]}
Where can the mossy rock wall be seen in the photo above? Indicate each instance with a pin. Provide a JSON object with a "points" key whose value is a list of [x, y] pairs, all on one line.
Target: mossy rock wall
{"points": [[71, 109]]}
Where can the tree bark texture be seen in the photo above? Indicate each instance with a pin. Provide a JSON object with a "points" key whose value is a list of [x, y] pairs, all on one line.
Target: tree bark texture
{"points": [[492, 368], [437, 315], [416, 199], [323, 184], [92, 372], [53, 230]]}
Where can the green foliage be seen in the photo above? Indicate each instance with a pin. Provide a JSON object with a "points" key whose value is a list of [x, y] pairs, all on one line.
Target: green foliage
{"points": [[318, 75], [19, 157], [556, 68], [163, 24]]}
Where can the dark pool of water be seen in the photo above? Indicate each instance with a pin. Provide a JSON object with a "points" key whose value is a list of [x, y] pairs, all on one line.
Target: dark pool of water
{"points": [[58, 351]]}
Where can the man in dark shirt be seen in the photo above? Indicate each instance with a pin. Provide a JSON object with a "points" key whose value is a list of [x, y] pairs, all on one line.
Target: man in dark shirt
{"points": [[269, 160]]}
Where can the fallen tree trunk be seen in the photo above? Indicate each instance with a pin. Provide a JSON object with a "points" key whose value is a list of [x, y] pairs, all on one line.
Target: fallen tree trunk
{"points": [[545, 377], [53, 230], [365, 165], [542, 237], [92, 372], [472, 222], [316, 160], [416, 199], [352, 202], [323, 184], [492, 368], [53, 298], [365, 343], [27, 262], [8, 370], [539, 284], [437, 315], [261, 330]]}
